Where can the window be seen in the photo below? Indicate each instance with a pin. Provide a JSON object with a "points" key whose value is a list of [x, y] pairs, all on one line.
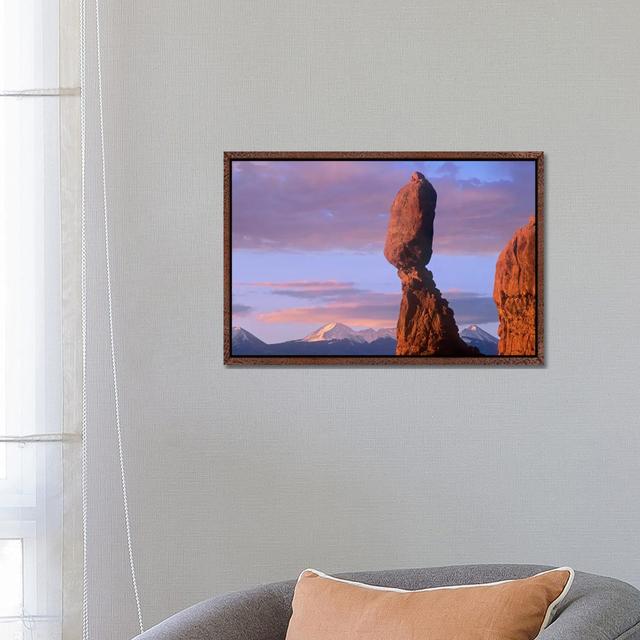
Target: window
{"points": [[32, 206]]}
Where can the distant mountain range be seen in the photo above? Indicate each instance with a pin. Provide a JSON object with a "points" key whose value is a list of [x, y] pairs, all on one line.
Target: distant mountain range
{"points": [[339, 331], [474, 336], [337, 339], [333, 339]]}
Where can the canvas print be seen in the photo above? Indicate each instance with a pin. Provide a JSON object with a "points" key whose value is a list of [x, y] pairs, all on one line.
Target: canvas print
{"points": [[383, 259]]}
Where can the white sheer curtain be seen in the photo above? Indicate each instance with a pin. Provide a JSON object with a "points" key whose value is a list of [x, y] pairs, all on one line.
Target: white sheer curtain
{"points": [[38, 333]]}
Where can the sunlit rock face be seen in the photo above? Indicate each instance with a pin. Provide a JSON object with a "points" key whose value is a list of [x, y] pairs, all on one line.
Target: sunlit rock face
{"points": [[426, 324], [410, 232], [514, 293]]}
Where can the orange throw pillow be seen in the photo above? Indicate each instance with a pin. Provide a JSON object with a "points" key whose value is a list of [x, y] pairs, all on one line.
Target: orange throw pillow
{"points": [[326, 608]]}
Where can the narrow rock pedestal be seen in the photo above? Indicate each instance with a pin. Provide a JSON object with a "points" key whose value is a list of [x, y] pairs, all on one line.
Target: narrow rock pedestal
{"points": [[426, 324]]}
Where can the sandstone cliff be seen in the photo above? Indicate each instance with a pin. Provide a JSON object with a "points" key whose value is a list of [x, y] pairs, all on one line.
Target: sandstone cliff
{"points": [[514, 293]]}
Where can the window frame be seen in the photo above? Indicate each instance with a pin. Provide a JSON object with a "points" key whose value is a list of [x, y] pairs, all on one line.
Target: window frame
{"points": [[40, 495]]}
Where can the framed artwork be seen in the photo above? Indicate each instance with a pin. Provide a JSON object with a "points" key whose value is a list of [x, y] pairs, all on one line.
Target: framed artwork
{"points": [[389, 258]]}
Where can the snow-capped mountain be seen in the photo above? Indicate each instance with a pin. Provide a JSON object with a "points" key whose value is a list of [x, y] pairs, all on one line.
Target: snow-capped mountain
{"points": [[334, 331], [243, 339], [334, 339], [339, 331], [476, 337]]}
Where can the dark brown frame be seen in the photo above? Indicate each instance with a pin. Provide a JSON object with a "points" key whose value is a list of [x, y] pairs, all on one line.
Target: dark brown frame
{"points": [[537, 359]]}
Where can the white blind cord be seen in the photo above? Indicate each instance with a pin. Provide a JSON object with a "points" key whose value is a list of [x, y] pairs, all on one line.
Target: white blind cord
{"points": [[83, 304], [114, 369]]}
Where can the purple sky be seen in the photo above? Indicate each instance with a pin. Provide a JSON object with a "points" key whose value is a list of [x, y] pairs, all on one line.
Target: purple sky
{"points": [[307, 239]]}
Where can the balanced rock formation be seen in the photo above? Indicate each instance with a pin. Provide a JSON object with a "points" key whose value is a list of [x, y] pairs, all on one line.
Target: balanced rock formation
{"points": [[514, 293], [426, 325]]}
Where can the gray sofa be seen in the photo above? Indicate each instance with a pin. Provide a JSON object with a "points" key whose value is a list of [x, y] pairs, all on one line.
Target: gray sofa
{"points": [[596, 608]]}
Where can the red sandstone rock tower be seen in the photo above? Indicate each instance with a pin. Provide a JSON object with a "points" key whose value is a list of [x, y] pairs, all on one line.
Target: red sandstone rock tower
{"points": [[514, 293], [426, 325]]}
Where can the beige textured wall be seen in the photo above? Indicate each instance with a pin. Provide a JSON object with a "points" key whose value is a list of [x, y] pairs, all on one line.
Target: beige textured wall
{"points": [[244, 476]]}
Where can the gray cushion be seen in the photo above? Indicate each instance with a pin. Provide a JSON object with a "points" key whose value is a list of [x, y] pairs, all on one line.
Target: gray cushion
{"points": [[596, 608]]}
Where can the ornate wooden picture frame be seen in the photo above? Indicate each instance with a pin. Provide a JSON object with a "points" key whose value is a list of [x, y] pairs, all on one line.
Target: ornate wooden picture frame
{"points": [[326, 255]]}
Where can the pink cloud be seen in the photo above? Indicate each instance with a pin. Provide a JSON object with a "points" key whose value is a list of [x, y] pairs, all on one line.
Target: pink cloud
{"points": [[375, 310], [380, 310], [344, 205]]}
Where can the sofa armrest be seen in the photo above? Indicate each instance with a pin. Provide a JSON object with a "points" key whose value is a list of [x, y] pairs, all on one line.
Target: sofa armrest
{"points": [[597, 608], [259, 614]]}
